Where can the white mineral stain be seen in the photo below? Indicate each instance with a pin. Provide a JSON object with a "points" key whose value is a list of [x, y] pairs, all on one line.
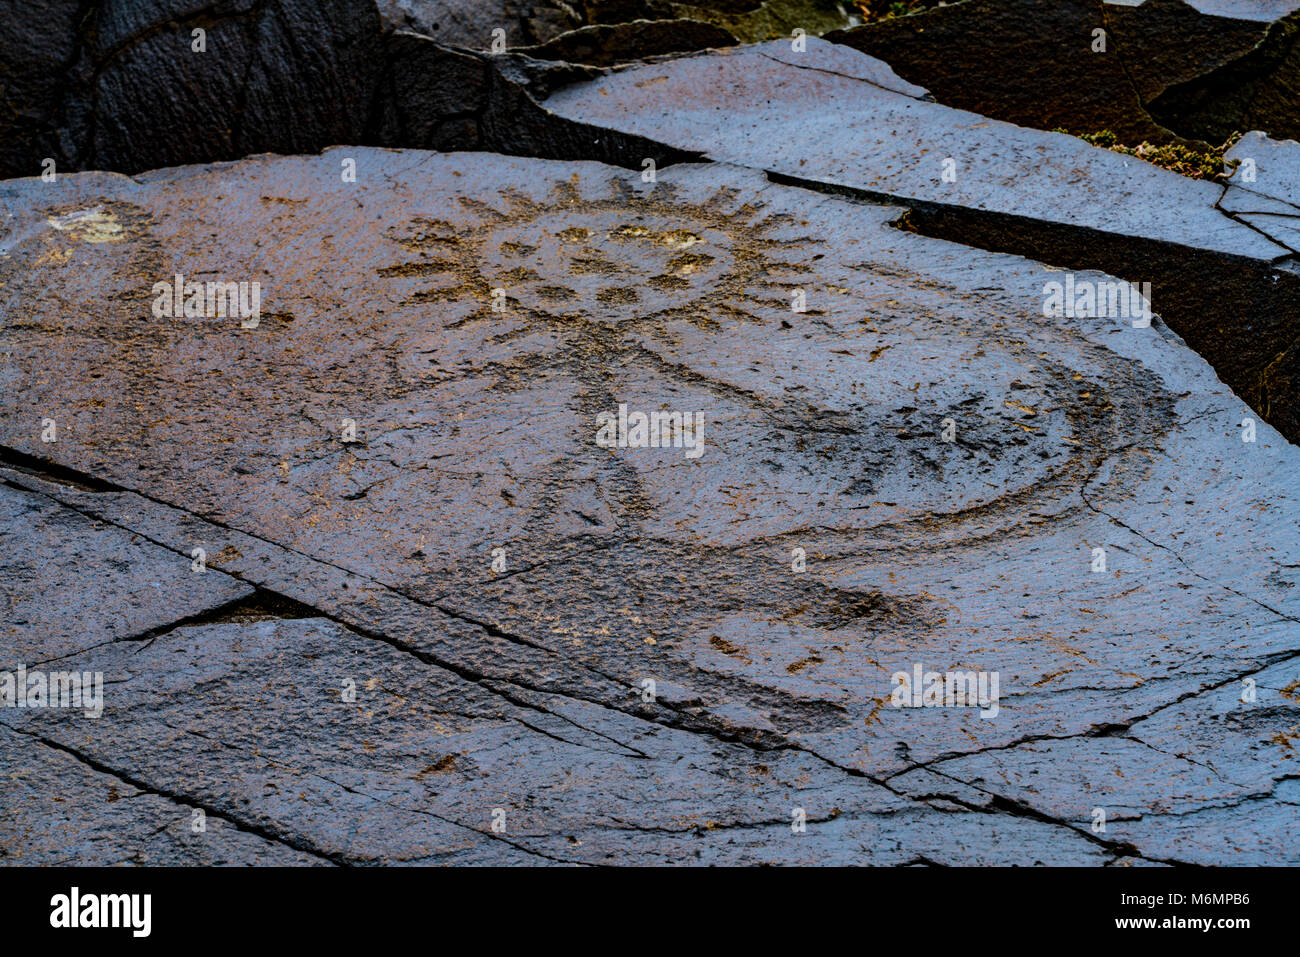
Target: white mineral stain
{"points": [[90, 225]]}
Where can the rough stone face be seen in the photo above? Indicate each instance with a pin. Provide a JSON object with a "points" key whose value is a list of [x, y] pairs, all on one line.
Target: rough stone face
{"points": [[127, 85], [122, 88], [473, 314], [32, 65], [1228, 767], [250, 722], [68, 583], [836, 120], [60, 811], [120, 84], [1254, 92], [469, 24]]}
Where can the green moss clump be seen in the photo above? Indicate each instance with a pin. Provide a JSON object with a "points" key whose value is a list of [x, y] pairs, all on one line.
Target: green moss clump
{"points": [[875, 10], [1183, 160]]}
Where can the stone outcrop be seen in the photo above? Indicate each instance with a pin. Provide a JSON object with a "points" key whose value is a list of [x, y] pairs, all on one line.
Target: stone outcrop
{"points": [[598, 432], [477, 614]]}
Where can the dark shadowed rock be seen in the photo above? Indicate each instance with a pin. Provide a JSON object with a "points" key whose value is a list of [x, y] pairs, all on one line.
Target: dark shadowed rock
{"points": [[1041, 63], [472, 315], [1163, 43], [607, 44], [469, 24], [1257, 91], [36, 51], [126, 90], [980, 55], [452, 100], [284, 76], [122, 85]]}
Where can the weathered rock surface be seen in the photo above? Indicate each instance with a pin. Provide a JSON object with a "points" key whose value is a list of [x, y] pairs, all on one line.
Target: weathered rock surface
{"points": [[838, 120], [472, 314], [59, 810], [67, 583], [413, 769]]}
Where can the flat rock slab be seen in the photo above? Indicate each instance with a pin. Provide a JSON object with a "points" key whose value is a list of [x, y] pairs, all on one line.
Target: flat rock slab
{"points": [[68, 583], [1275, 167], [417, 765], [833, 116], [658, 625], [1264, 10], [838, 120]]}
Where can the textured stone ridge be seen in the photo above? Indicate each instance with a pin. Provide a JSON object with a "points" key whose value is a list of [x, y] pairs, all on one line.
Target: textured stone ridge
{"points": [[352, 680]]}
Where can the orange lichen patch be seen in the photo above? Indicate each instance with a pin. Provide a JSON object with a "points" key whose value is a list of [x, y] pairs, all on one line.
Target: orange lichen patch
{"points": [[446, 763], [727, 648], [1286, 740], [797, 666]]}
